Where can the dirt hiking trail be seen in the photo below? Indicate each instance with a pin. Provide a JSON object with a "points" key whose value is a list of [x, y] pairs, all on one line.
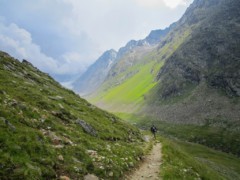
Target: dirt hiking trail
{"points": [[150, 168]]}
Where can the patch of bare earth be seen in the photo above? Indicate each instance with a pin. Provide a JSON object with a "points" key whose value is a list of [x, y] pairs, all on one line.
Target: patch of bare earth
{"points": [[150, 168]]}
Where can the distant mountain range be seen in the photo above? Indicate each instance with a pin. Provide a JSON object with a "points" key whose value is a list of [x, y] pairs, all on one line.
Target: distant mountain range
{"points": [[98, 71], [187, 73], [187, 82]]}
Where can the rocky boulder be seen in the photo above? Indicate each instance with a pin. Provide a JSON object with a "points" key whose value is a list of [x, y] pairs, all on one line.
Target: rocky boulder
{"points": [[86, 127]]}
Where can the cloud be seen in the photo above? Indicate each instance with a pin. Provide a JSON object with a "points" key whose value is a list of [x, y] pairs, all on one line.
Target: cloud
{"points": [[18, 42], [159, 3], [63, 37], [174, 3]]}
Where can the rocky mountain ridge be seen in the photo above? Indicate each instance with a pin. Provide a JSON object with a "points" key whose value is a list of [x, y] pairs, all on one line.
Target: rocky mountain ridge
{"points": [[95, 75], [217, 37], [198, 57]]}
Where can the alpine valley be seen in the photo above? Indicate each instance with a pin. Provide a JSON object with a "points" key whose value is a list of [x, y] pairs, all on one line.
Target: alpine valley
{"points": [[186, 81]]}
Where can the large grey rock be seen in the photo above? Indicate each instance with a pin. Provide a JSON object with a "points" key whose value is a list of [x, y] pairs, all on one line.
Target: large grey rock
{"points": [[91, 177], [86, 127]]}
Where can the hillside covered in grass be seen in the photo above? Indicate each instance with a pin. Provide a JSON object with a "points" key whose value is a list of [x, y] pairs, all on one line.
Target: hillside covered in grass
{"points": [[184, 160], [195, 63], [48, 132], [189, 84]]}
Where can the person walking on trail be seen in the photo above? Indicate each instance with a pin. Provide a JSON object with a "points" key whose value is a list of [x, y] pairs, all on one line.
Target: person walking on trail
{"points": [[154, 130]]}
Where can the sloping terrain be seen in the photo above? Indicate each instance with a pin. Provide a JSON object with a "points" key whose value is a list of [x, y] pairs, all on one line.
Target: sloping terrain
{"points": [[201, 79], [47, 131], [184, 160], [97, 73], [192, 75], [127, 82], [189, 84]]}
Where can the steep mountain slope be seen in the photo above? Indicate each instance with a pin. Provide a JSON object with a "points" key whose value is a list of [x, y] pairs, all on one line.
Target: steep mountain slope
{"points": [[189, 84], [95, 75], [133, 76], [211, 54], [201, 48], [47, 131], [205, 65]]}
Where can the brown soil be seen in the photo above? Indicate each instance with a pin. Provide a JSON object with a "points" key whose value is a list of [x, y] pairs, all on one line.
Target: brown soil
{"points": [[150, 168]]}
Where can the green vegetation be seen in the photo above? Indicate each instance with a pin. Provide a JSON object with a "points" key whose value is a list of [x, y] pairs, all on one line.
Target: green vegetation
{"points": [[182, 160], [47, 131], [128, 88], [218, 134], [132, 90], [186, 160]]}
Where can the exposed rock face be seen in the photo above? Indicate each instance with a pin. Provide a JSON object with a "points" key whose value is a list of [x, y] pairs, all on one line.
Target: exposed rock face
{"points": [[86, 127], [210, 54], [4, 54], [156, 36], [27, 62]]}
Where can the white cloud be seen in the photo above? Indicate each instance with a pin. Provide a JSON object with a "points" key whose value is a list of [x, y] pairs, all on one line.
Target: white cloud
{"points": [[18, 43], [175, 3], [71, 63], [150, 3], [63, 37], [159, 3]]}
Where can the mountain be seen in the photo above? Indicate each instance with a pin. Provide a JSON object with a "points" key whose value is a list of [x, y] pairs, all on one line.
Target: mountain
{"points": [[205, 67], [189, 83], [95, 75], [49, 132], [201, 49]]}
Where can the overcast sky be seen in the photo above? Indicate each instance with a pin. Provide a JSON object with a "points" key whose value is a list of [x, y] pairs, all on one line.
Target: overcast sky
{"points": [[63, 37]]}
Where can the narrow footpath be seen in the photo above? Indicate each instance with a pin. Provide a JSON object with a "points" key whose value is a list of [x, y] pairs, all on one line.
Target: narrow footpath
{"points": [[150, 168]]}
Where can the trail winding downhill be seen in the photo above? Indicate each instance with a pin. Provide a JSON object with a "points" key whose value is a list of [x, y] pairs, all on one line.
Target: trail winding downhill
{"points": [[150, 168]]}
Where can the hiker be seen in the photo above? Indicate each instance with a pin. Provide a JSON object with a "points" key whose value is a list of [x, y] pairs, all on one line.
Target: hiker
{"points": [[154, 130]]}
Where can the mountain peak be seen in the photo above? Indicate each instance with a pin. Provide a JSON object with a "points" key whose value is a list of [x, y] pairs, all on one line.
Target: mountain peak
{"points": [[98, 71]]}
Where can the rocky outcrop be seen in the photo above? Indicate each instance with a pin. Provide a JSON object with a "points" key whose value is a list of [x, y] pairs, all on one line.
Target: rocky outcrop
{"points": [[87, 127], [210, 54]]}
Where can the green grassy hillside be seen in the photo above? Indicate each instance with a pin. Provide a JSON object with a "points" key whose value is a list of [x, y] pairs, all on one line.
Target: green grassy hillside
{"points": [[47, 131], [134, 75], [218, 134], [130, 93], [182, 160], [195, 82], [192, 76]]}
